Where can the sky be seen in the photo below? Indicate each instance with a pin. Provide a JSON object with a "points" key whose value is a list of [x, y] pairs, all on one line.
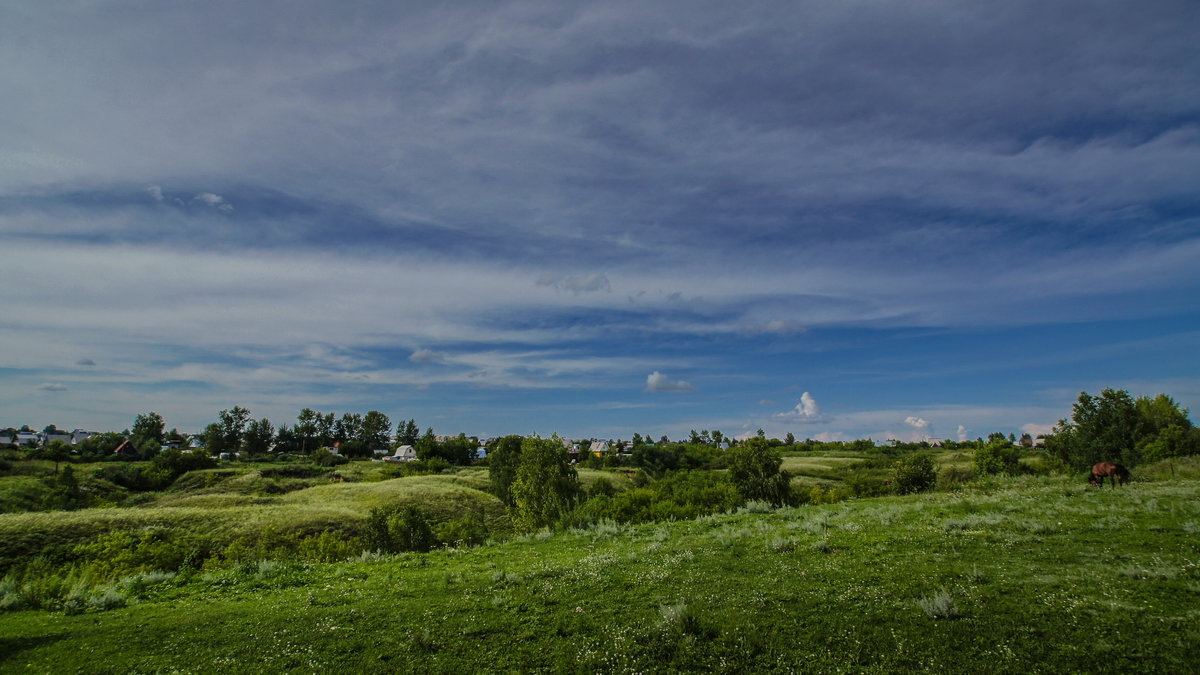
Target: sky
{"points": [[837, 219]]}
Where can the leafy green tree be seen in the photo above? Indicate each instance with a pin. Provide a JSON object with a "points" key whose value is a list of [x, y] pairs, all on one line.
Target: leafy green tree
{"points": [[214, 438], [1159, 413], [100, 445], [325, 430], [233, 427], [504, 456], [546, 486], [258, 436], [754, 471], [427, 446], [147, 431], [1106, 428], [459, 450], [407, 433], [306, 429], [347, 427], [57, 452], [375, 431]]}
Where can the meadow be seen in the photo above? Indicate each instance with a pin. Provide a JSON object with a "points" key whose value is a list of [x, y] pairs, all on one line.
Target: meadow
{"points": [[1034, 573]]}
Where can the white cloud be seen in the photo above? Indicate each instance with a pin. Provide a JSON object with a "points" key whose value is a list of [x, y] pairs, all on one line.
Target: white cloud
{"points": [[156, 192], [427, 356], [659, 382], [1035, 430], [916, 422], [962, 433], [807, 411], [216, 201]]}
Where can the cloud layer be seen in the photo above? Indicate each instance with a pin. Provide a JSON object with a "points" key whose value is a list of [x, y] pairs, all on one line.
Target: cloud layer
{"points": [[475, 211]]}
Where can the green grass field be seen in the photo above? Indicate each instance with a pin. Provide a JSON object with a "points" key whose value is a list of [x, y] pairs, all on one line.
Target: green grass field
{"points": [[1033, 574]]}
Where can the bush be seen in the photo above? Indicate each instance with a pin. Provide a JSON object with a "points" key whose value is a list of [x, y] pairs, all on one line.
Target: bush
{"points": [[323, 457], [754, 470], [397, 529], [914, 473], [954, 476], [998, 456]]}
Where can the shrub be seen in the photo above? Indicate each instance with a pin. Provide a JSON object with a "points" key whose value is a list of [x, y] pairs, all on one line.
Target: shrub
{"points": [[399, 529], [940, 605], [914, 473], [323, 457], [754, 470], [998, 456], [954, 476]]}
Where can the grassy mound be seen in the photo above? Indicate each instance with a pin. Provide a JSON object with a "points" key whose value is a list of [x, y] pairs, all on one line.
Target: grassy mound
{"points": [[213, 520]]}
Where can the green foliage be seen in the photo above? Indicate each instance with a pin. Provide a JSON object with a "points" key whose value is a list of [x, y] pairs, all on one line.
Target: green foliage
{"points": [[148, 431], [504, 456], [1113, 427], [323, 457], [754, 471], [397, 529], [680, 495], [998, 456], [914, 473], [546, 486], [66, 493]]}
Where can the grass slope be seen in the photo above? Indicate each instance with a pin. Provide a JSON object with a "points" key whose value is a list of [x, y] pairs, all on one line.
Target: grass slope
{"points": [[1029, 575]]}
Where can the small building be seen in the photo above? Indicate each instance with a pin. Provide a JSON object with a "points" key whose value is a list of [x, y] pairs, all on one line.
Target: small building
{"points": [[29, 438], [126, 449], [80, 435], [404, 453]]}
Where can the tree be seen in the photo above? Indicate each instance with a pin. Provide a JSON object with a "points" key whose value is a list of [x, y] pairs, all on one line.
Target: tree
{"points": [[1102, 428], [100, 445], [754, 470], [286, 439], [233, 426], [503, 458], [348, 427], [147, 431], [790, 439], [57, 451], [546, 486], [306, 429], [407, 433], [258, 436], [427, 446], [325, 429], [375, 431]]}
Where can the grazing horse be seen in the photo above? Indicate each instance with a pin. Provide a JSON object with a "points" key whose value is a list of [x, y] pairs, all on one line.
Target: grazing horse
{"points": [[1115, 472]]}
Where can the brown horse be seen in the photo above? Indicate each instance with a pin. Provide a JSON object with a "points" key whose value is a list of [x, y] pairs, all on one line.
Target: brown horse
{"points": [[1115, 472]]}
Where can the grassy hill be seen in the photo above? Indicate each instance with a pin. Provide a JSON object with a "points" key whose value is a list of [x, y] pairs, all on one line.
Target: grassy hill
{"points": [[1036, 574]]}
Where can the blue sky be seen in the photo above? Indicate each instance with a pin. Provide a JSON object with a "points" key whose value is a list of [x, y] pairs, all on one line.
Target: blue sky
{"points": [[841, 220]]}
